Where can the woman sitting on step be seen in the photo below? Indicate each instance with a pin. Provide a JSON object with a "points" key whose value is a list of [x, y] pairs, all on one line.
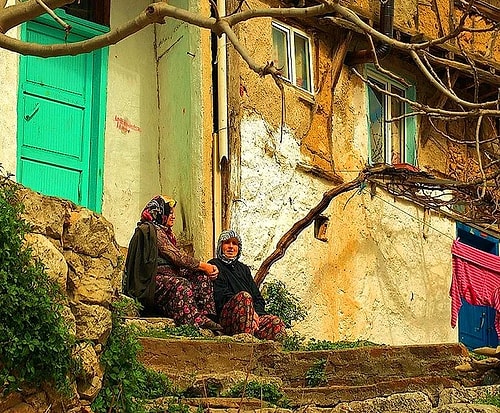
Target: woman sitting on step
{"points": [[164, 278], [239, 303]]}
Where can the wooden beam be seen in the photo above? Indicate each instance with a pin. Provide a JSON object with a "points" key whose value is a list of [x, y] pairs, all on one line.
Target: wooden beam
{"points": [[483, 75], [339, 55]]}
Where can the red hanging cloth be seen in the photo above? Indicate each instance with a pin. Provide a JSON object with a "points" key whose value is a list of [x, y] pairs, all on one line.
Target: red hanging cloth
{"points": [[475, 278]]}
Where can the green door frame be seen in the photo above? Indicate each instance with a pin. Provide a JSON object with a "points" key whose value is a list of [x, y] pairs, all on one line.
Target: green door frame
{"points": [[97, 106]]}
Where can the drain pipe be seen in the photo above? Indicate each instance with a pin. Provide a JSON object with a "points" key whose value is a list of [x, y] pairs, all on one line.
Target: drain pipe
{"points": [[221, 138], [382, 49]]}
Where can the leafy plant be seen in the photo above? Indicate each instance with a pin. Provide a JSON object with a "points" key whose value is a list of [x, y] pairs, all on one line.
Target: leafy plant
{"points": [[126, 382], [35, 343], [314, 345], [177, 408], [280, 302], [296, 342], [316, 375], [268, 392], [492, 399], [293, 342], [178, 331]]}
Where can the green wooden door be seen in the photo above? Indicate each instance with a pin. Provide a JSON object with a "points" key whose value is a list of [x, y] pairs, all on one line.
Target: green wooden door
{"points": [[61, 110]]}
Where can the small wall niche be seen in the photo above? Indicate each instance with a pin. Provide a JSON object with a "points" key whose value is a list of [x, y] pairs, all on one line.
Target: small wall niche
{"points": [[320, 227]]}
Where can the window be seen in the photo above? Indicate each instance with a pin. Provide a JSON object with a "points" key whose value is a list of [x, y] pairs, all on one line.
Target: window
{"points": [[392, 135], [92, 10], [292, 54]]}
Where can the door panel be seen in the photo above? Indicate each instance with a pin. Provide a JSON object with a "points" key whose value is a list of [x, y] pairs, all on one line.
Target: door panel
{"points": [[66, 74], [56, 129], [476, 323], [46, 177], [476, 326], [60, 116]]}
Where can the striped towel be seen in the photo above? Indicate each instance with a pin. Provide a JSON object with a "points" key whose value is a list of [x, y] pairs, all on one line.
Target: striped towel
{"points": [[475, 278]]}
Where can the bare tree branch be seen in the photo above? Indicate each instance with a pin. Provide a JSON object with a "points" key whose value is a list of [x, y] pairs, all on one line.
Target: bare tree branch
{"points": [[444, 90], [65, 25], [152, 14], [18, 13], [479, 156], [292, 234]]}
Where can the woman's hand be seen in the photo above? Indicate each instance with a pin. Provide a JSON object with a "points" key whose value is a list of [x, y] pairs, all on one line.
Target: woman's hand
{"points": [[211, 270]]}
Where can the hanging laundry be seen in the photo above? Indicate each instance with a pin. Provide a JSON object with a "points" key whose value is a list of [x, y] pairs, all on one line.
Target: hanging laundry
{"points": [[476, 279]]}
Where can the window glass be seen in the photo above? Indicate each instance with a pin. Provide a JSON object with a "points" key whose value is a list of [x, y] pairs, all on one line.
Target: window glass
{"points": [[376, 123], [292, 54], [391, 134], [302, 63], [397, 127], [280, 51]]}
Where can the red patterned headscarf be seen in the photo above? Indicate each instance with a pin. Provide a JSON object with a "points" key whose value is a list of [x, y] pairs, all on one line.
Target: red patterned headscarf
{"points": [[158, 209]]}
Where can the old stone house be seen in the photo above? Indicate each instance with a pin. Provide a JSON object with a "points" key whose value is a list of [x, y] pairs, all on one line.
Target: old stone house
{"points": [[175, 110]]}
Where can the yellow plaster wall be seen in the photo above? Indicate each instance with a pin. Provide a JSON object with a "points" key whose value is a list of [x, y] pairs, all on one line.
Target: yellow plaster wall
{"points": [[385, 272], [130, 157], [185, 126], [9, 78]]}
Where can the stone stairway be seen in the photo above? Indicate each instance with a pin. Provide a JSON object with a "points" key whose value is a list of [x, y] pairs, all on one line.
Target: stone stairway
{"points": [[416, 378]]}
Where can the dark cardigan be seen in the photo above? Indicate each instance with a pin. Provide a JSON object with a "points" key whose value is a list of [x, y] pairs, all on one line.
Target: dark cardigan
{"points": [[141, 265], [232, 279]]}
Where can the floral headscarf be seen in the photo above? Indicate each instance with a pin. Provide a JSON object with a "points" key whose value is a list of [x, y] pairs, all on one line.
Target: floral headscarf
{"points": [[157, 211], [224, 236]]}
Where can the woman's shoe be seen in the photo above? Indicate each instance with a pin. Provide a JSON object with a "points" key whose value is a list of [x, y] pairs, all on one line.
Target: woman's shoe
{"points": [[211, 325]]}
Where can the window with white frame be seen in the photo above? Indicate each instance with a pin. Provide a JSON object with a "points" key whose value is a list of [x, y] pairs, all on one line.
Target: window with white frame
{"points": [[292, 54], [391, 133]]}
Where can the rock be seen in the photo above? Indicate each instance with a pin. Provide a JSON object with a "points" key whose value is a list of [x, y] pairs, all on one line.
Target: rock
{"points": [[245, 338], [398, 403], [21, 408], [93, 322], [488, 351], [89, 233], [466, 394], [466, 408], [52, 259], [144, 324], [9, 401], [486, 364], [45, 214], [92, 373], [90, 279], [464, 368], [70, 319]]}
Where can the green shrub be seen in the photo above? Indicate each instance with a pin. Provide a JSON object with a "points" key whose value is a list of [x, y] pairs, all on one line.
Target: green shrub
{"points": [[268, 392], [293, 342], [316, 375], [492, 399], [35, 343], [280, 302], [314, 345], [126, 382]]}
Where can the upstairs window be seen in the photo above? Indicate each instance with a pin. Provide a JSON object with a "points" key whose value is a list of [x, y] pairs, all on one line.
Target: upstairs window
{"points": [[391, 134], [292, 54], [96, 11]]}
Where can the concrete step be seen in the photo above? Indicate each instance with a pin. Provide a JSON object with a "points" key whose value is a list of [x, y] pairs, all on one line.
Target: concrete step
{"points": [[346, 375], [329, 396]]}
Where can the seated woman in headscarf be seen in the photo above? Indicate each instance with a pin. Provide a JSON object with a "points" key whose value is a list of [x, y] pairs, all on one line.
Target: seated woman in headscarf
{"points": [[164, 278], [239, 303]]}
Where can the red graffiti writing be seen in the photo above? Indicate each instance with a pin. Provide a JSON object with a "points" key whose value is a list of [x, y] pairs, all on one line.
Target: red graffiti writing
{"points": [[125, 126]]}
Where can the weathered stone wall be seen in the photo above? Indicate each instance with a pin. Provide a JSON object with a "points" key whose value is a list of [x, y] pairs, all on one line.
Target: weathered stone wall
{"points": [[79, 251]]}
